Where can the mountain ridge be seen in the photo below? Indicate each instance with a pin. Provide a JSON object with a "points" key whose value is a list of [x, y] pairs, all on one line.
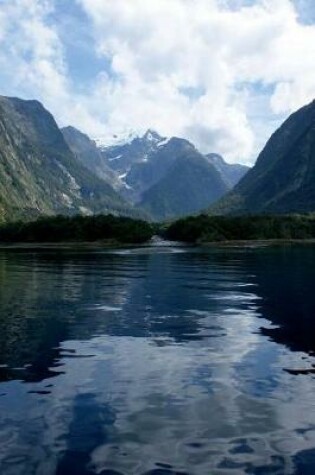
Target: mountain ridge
{"points": [[87, 152], [38, 172], [282, 179], [231, 173]]}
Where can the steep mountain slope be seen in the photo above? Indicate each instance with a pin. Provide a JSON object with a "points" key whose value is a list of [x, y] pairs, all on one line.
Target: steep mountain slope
{"points": [[231, 173], [283, 179], [143, 175], [87, 152], [39, 173], [190, 185]]}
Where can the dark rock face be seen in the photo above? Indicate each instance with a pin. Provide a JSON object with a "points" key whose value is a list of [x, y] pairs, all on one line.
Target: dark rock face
{"points": [[143, 175], [188, 187], [38, 172], [282, 181]]}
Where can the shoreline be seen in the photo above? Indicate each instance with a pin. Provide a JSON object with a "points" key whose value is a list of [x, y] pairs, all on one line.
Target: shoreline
{"points": [[67, 245], [256, 243], [110, 244]]}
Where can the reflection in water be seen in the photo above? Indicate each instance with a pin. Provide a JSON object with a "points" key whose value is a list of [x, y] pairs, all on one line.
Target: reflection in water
{"points": [[153, 361], [285, 280]]}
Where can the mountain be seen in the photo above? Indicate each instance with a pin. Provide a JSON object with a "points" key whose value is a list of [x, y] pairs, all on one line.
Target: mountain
{"points": [[131, 161], [142, 161], [282, 180], [87, 152], [190, 184], [151, 168], [146, 173], [123, 156], [39, 173], [230, 172], [115, 139]]}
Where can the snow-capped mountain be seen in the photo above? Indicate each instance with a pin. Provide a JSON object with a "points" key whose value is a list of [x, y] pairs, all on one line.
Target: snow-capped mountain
{"points": [[147, 167], [122, 138], [114, 140], [132, 161], [168, 177], [121, 157]]}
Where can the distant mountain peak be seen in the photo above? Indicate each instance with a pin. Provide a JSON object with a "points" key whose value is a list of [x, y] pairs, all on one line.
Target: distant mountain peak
{"points": [[215, 158], [152, 136], [231, 173], [69, 129], [115, 139], [126, 137]]}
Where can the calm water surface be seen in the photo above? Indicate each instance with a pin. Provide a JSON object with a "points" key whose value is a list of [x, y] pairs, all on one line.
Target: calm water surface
{"points": [[157, 361]]}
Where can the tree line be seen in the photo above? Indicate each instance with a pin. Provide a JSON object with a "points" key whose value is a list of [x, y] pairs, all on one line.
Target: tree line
{"points": [[204, 228], [77, 228]]}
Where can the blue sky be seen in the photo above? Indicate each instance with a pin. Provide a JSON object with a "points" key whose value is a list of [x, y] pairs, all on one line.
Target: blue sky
{"points": [[222, 73], [76, 34]]}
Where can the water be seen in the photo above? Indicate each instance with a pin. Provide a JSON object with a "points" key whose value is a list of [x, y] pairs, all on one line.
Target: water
{"points": [[157, 361]]}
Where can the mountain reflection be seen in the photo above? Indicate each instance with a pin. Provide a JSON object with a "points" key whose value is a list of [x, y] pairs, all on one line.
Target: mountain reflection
{"points": [[154, 362], [49, 298], [285, 280]]}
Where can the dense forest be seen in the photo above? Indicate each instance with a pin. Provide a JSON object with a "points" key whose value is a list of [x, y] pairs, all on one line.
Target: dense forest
{"points": [[204, 228], [77, 228], [193, 229]]}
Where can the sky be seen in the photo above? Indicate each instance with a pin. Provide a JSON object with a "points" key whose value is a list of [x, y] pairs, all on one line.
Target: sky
{"points": [[221, 73]]}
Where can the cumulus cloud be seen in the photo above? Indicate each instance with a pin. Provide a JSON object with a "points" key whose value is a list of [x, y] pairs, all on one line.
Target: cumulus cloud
{"points": [[32, 61], [217, 72], [31, 55], [161, 49]]}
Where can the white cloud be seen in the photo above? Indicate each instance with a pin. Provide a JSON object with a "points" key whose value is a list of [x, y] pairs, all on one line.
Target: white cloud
{"points": [[162, 47], [193, 68], [30, 51], [32, 61]]}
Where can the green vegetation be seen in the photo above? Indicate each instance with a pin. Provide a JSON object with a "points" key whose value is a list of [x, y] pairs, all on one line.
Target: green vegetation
{"points": [[77, 228], [282, 179], [194, 229], [206, 228], [39, 175]]}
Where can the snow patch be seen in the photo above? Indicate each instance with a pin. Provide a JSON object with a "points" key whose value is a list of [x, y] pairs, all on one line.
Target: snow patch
{"points": [[122, 179], [150, 137], [163, 142], [85, 211], [67, 200], [114, 158], [117, 139], [126, 136]]}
